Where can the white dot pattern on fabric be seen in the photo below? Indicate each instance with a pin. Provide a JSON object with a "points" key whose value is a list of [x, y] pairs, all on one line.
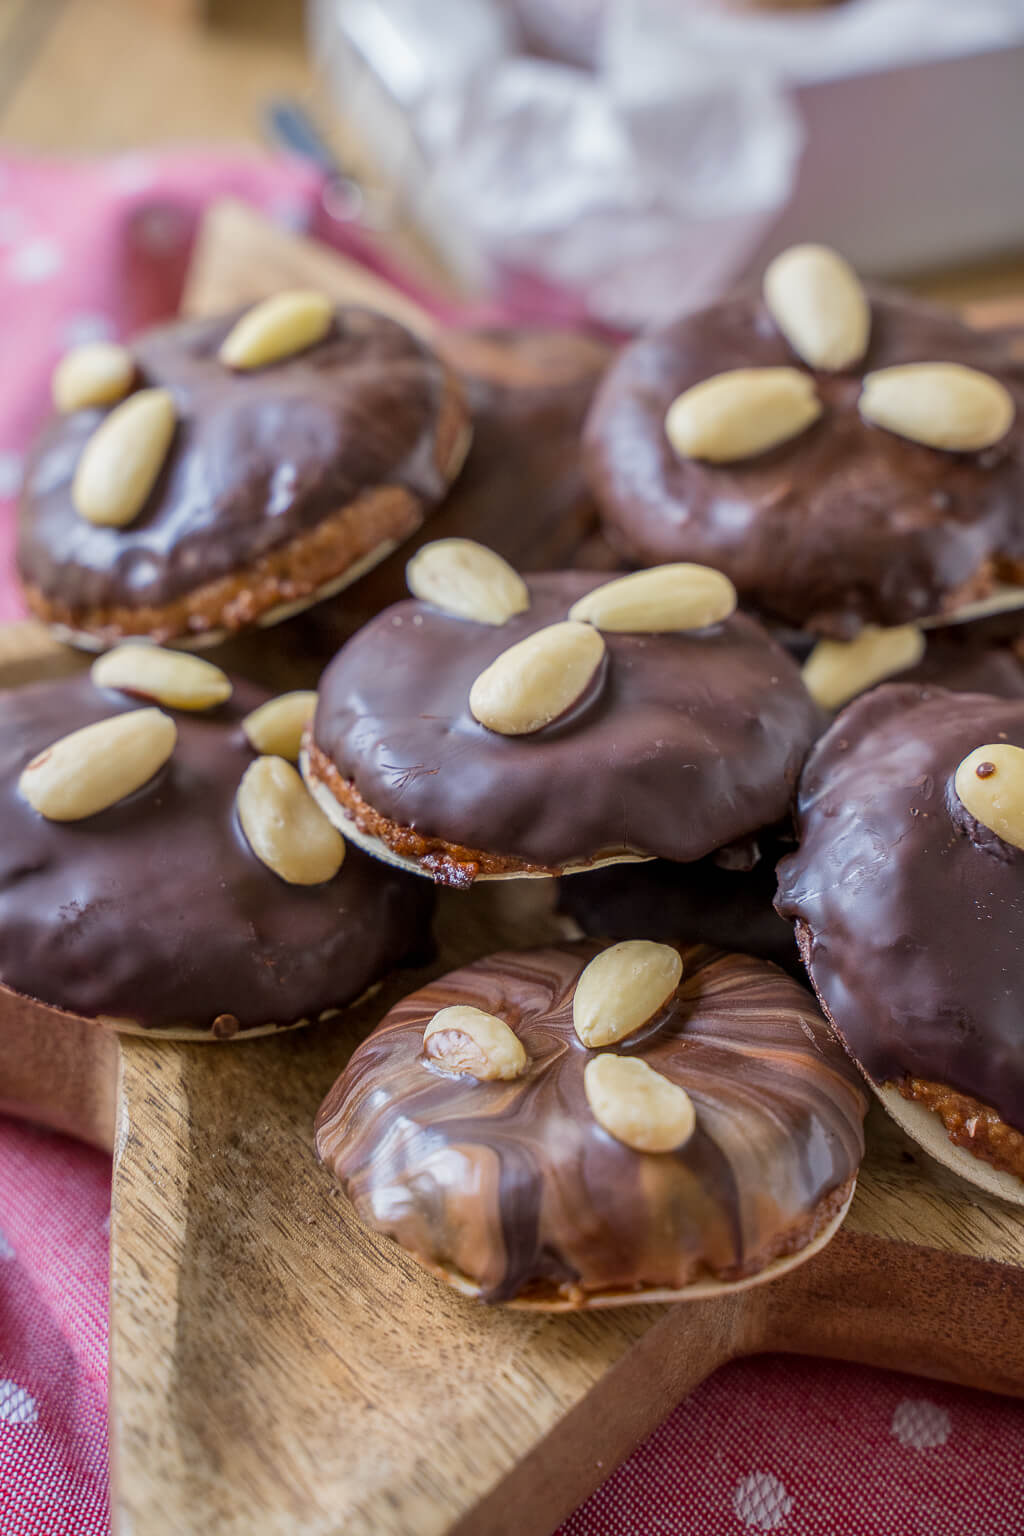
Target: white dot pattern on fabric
{"points": [[920, 1424], [761, 1501], [16, 1405], [88, 327], [6, 1251], [10, 474], [35, 261]]}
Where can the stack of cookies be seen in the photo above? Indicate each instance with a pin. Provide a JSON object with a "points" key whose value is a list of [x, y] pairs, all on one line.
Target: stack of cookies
{"points": [[805, 493]]}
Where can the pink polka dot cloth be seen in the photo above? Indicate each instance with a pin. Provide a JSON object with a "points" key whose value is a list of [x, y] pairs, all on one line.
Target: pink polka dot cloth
{"points": [[800, 1447]]}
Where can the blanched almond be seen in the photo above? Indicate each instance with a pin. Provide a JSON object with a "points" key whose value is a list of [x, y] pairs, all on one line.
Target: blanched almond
{"points": [[990, 786], [816, 300], [467, 580], [173, 678], [942, 405], [622, 989], [637, 1105], [276, 727], [93, 768], [471, 1043], [284, 826], [119, 464], [96, 373], [667, 597], [279, 327], [837, 670], [735, 415], [535, 681]]}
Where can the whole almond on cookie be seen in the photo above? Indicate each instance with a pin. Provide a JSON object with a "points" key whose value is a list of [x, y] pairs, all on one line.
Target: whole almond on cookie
{"points": [[468, 1042], [94, 767], [96, 373], [837, 670], [637, 1105], [284, 826], [277, 727], [535, 681], [277, 328], [990, 785], [941, 405], [467, 580], [817, 301], [173, 678], [735, 415], [120, 463], [663, 599], [622, 989]]}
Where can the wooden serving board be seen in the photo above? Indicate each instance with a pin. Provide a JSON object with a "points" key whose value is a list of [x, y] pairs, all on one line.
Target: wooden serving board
{"points": [[276, 1368]]}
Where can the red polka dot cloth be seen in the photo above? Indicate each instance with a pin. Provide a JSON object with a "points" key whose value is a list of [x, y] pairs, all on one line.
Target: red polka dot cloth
{"points": [[801, 1447]]}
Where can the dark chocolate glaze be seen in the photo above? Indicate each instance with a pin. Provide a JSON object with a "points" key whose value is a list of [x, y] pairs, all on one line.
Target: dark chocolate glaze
{"points": [[967, 665], [257, 459], [914, 918], [514, 1184], [845, 524], [726, 900], [156, 910], [521, 490], [691, 741]]}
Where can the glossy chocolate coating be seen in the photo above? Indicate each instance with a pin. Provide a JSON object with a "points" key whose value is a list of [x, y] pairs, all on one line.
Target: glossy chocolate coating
{"points": [[913, 916], [514, 1184], [726, 900], [257, 459], [521, 490], [688, 740], [156, 910], [845, 524]]}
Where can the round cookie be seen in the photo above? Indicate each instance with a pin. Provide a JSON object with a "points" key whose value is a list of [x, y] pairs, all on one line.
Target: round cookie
{"points": [[712, 1147], [726, 900], [845, 522], [277, 485], [909, 916], [666, 743], [154, 914]]}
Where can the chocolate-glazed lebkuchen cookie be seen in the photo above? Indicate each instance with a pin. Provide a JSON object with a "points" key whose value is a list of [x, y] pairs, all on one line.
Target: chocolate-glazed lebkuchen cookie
{"points": [[162, 867], [846, 459], [908, 896], [500, 727], [726, 899], [521, 490], [223, 473], [586, 1125]]}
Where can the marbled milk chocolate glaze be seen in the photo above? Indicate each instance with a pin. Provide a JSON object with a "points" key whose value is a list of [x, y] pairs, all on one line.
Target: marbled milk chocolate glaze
{"points": [[258, 458], [844, 525], [521, 490], [156, 910], [912, 921], [689, 741], [515, 1187]]}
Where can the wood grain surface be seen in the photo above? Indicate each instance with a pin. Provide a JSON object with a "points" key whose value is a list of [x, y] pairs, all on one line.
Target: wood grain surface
{"points": [[278, 1368]]}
